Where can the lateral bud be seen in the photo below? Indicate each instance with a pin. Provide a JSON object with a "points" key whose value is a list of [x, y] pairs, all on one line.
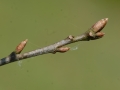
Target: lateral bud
{"points": [[62, 49], [21, 46], [100, 34]]}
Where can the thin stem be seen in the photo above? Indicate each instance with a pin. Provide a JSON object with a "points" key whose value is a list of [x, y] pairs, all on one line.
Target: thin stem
{"points": [[93, 33]]}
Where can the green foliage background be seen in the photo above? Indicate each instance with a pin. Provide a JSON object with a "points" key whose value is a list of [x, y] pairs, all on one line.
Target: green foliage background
{"points": [[95, 65]]}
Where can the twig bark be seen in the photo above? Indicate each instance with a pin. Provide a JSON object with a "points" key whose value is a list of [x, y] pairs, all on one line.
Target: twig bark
{"points": [[93, 33]]}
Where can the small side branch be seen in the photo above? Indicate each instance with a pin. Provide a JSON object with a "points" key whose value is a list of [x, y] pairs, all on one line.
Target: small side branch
{"points": [[93, 33]]}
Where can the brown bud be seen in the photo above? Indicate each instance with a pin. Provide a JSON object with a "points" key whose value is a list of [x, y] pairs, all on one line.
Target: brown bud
{"points": [[21, 46], [97, 27], [100, 34], [62, 49]]}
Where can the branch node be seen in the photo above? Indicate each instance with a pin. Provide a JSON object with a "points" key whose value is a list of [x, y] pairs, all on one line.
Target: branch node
{"points": [[95, 31], [71, 37]]}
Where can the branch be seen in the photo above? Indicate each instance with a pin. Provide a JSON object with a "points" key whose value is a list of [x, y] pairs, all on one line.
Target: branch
{"points": [[93, 33]]}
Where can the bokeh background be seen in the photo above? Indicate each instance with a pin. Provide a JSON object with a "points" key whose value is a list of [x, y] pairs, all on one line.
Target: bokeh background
{"points": [[93, 65]]}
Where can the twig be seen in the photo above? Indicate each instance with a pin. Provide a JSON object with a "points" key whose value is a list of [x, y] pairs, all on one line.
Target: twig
{"points": [[93, 33]]}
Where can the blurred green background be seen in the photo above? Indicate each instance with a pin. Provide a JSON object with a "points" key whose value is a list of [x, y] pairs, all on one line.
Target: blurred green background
{"points": [[93, 65]]}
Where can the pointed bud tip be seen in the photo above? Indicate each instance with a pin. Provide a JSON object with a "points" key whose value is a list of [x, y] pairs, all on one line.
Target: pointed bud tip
{"points": [[26, 40], [106, 19]]}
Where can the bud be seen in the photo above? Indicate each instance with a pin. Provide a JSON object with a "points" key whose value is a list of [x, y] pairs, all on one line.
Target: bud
{"points": [[62, 49], [100, 34], [21, 46], [97, 27]]}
